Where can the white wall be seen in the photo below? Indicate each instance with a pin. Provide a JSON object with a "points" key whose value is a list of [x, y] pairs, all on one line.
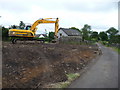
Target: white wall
{"points": [[61, 32]]}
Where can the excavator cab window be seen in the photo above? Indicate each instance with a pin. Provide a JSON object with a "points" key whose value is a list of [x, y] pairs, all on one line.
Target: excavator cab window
{"points": [[27, 27]]}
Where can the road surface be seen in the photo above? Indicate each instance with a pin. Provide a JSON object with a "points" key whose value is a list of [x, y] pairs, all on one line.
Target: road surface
{"points": [[103, 74]]}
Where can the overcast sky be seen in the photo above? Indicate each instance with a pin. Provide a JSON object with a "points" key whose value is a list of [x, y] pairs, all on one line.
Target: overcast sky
{"points": [[100, 14]]}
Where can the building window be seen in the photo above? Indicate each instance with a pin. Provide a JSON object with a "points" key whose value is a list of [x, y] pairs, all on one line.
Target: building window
{"points": [[60, 34]]}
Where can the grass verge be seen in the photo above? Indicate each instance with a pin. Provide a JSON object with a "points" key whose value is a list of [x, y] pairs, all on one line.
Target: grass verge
{"points": [[71, 77], [116, 49]]}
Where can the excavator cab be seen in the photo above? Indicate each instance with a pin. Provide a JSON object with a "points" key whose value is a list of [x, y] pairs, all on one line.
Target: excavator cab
{"points": [[28, 27]]}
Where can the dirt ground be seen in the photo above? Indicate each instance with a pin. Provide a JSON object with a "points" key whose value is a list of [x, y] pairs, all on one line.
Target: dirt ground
{"points": [[36, 65]]}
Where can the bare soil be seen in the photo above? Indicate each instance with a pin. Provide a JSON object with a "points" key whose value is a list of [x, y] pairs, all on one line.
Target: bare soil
{"points": [[36, 65]]}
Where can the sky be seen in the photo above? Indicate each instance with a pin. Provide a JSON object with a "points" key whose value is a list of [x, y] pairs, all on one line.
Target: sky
{"points": [[99, 14]]}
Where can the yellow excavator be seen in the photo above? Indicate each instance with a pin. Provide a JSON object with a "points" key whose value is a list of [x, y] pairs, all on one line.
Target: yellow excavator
{"points": [[29, 32]]}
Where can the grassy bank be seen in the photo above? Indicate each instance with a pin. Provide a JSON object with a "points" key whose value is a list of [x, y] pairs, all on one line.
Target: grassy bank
{"points": [[116, 49], [71, 77], [105, 43]]}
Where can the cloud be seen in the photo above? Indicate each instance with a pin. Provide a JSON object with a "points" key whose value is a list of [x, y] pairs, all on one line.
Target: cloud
{"points": [[14, 6], [91, 6], [100, 14], [22, 6]]}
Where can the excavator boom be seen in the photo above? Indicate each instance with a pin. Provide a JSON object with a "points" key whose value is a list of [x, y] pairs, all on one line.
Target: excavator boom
{"points": [[46, 20]]}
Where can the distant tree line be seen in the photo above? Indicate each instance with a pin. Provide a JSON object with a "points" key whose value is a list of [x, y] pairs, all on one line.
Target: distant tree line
{"points": [[111, 35], [5, 31], [21, 26]]}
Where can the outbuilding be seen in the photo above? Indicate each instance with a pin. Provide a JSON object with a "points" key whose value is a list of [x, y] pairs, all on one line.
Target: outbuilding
{"points": [[66, 32]]}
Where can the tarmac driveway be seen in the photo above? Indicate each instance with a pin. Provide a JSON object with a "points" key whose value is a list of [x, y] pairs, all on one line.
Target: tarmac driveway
{"points": [[103, 74]]}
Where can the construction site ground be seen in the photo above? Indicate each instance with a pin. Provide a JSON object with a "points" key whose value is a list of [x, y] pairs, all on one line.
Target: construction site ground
{"points": [[36, 65]]}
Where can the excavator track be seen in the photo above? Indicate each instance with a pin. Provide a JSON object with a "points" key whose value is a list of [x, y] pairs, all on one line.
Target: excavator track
{"points": [[14, 41]]}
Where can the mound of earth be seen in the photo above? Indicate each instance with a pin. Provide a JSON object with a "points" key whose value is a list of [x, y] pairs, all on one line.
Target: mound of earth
{"points": [[36, 65]]}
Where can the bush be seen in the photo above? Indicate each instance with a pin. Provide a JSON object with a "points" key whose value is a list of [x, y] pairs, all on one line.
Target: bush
{"points": [[51, 35], [105, 43], [5, 36]]}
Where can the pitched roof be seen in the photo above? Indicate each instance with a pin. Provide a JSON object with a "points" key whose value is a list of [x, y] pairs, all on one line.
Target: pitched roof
{"points": [[71, 32]]}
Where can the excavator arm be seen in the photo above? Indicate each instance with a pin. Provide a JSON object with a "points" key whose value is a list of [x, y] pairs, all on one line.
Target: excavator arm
{"points": [[46, 20]]}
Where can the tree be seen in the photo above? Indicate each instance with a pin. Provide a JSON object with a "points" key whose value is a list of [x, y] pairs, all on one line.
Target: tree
{"points": [[0, 32], [103, 36], [115, 39], [75, 29], [94, 35], [86, 32], [4, 33], [51, 35], [13, 27], [21, 25], [112, 33]]}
